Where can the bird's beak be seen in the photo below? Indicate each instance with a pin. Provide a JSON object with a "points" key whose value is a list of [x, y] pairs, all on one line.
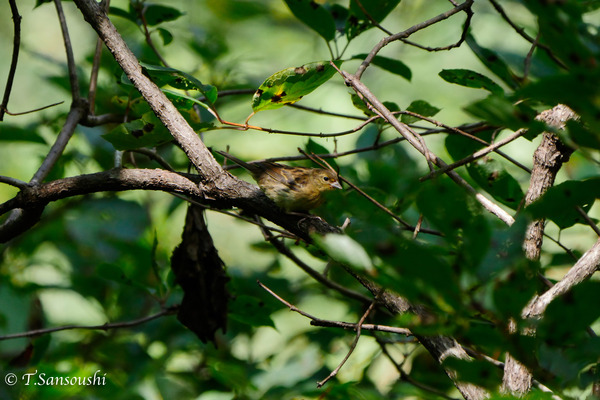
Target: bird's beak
{"points": [[336, 185]]}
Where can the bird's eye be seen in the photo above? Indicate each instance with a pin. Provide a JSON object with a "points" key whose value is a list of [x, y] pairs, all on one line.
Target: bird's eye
{"points": [[326, 178]]}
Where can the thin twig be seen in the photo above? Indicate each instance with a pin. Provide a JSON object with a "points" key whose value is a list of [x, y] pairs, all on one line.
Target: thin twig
{"points": [[462, 132], [407, 378], [15, 56], [34, 110], [410, 136], [13, 182], [475, 156], [405, 225], [315, 321], [103, 327], [283, 249], [73, 80], [323, 112], [153, 155], [529, 57], [524, 34], [405, 34], [460, 41], [96, 67], [371, 19], [352, 346], [149, 38], [588, 220]]}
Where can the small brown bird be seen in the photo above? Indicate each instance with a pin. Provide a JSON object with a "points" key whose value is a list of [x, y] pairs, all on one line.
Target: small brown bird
{"points": [[295, 189]]}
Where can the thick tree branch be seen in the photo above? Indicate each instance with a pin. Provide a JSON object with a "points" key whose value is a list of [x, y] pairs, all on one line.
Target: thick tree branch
{"points": [[210, 171], [582, 270], [236, 193], [547, 161]]}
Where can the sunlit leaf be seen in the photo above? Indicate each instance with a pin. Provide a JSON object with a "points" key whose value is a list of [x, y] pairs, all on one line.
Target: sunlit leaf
{"points": [[291, 84], [344, 249]]}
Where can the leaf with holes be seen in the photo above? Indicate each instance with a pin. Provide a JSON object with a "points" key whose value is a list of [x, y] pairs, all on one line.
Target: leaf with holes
{"points": [[495, 179], [147, 131], [291, 84], [179, 80]]}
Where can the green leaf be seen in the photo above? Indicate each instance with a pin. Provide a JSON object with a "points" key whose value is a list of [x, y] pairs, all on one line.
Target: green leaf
{"points": [[119, 12], [500, 111], [40, 2], [12, 133], [389, 64], [165, 35], [581, 135], [183, 101], [361, 105], [450, 210], [313, 147], [315, 16], [569, 316], [472, 79], [377, 10], [494, 63], [147, 131], [250, 311], [420, 107], [345, 250], [459, 146], [179, 80], [488, 173], [156, 14], [492, 177], [559, 202], [291, 84]]}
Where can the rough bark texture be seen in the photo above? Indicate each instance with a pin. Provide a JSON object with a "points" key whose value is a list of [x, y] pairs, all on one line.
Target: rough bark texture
{"points": [[582, 270], [440, 347], [547, 161], [235, 193], [213, 180]]}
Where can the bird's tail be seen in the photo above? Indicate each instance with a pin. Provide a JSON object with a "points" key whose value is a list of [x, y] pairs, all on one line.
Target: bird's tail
{"points": [[251, 168]]}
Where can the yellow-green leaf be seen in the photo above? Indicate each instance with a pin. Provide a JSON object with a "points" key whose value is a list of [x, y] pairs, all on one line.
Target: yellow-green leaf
{"points": [[291, 84]]}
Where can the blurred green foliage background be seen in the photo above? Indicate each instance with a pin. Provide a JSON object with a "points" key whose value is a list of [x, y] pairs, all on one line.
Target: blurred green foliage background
{"points": [[105, 258]]}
